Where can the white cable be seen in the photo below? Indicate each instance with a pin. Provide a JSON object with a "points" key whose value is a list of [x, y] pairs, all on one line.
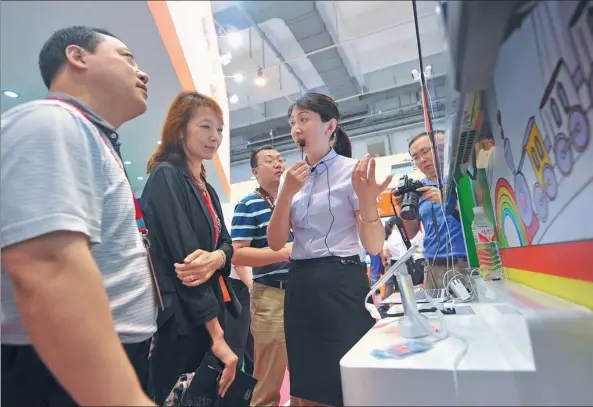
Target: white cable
{"points": [[456, 363], [383, 280], [456, 277], [462, 354], [448, 239], [442, 335]]}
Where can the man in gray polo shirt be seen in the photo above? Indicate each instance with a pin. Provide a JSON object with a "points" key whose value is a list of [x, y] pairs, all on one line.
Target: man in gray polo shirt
{"points": [[76, 282]]}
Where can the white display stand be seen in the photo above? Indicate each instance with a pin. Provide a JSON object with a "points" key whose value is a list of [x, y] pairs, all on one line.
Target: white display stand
{"points": [[524, 347]]}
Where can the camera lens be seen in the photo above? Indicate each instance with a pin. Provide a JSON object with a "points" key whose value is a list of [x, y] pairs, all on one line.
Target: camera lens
{"points": [[409, 209]]}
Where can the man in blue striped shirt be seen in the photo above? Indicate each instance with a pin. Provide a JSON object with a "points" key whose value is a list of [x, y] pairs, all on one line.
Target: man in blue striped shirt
{"points": [[270, 273]]}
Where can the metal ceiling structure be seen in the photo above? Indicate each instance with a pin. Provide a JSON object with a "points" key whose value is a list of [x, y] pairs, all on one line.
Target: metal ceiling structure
{"points": [[361, 55]]}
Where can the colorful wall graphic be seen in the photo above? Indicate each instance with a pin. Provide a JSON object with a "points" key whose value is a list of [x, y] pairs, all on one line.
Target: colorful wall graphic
{"points": [[541, 175]]}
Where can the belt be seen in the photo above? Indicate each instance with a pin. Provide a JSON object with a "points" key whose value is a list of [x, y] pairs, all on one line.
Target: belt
{"points": [[326, 260], [270, 282], [443, 262]]}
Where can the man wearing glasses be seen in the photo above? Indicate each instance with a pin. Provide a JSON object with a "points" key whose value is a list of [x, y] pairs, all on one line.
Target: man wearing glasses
{"points": [[437, 223], [270, 273]]}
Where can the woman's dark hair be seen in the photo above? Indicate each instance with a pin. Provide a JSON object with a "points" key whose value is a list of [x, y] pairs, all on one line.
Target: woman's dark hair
{"points": [[171, 147], [394, 220], [388, 230], [325, 107]]}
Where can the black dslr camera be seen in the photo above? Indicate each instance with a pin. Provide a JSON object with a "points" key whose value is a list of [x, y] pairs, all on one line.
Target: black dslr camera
{"points": [[407, 187]]}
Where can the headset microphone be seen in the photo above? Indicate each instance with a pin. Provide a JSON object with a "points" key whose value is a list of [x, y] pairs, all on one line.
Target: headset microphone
{"points": [[302, 145]]}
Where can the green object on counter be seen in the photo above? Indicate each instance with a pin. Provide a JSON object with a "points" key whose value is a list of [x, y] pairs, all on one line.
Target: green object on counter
{"points": [[465, 196]]}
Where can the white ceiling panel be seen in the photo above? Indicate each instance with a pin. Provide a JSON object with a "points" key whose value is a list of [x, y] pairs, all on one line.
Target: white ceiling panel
{"points": [[253, 54]]}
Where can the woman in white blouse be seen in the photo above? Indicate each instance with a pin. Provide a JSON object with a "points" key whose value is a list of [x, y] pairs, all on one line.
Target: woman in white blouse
{"points": [[330, 201]]}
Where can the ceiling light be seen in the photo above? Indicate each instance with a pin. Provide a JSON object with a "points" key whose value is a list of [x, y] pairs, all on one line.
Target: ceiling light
{"points": [[415, 74], [238, 77], [235, 39], [127, 162], [139, 178], [260, 80], [10, 94], [226, 58], [428, 70], [234, 99]]}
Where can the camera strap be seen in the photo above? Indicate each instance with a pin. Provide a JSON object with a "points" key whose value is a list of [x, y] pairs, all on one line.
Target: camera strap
{"points": [[402, 232]]}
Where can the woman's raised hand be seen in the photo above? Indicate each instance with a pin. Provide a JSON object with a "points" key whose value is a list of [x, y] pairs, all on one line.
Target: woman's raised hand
{"points": [[363, 180], [296, 177]]}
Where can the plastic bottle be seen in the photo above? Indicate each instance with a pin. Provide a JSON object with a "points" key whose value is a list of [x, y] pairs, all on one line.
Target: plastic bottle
{"points": [[486, 246]]}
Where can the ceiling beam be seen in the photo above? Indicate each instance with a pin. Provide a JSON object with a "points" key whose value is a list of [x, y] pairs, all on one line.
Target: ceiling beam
{"points": [[277, 119], [333, 21], [308, 28], [394, 121], [275, 50]]}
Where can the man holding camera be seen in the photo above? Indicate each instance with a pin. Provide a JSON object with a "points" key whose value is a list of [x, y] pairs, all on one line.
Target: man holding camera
{"points": [[443, 236]]}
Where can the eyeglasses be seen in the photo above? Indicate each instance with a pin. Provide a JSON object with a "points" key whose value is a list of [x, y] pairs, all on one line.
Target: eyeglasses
{"points": [[424, 153], [271, 162]]}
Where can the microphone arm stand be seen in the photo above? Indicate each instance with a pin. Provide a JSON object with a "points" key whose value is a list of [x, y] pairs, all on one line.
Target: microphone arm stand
{"points": [[413, 324]]}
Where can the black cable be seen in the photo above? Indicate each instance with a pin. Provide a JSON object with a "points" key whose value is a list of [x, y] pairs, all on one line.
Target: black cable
{"points": [[437, 163], [329, 206], [431, 136]]}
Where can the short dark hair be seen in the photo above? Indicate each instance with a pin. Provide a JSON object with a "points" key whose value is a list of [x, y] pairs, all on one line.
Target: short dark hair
{"points": [[416, 137], [254, 153], [394, 220], [327, 109], [53, 53]]}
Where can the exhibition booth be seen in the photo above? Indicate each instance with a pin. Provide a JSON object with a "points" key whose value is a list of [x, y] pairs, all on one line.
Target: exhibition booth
{"points": [[520, 78], [517, 112]]}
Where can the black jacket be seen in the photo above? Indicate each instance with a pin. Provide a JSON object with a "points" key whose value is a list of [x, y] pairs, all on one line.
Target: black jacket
{"points": [[179, 223]]}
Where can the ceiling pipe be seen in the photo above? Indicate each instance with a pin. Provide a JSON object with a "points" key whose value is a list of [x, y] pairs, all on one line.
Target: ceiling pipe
{"points": [[286, 146], [337, 44], [399, 111], [358, 131], [434, 82]]}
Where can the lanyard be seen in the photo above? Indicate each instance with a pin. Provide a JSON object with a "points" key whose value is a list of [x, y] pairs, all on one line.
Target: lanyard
{"points": [[263, 194], [138, 212]]}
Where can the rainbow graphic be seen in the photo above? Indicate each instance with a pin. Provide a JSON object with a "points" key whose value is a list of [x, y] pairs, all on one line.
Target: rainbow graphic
{"points": [[506, 204]]}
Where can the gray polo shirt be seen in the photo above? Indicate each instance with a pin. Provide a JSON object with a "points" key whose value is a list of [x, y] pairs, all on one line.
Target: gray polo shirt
{"points": [[58, 175]]}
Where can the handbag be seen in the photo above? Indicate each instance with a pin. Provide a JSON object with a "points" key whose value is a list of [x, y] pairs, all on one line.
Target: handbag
{"points": [[201, 387]]}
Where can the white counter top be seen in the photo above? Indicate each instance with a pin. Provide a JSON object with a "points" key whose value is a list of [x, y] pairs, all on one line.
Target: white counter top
{"points": [[498, 367]]}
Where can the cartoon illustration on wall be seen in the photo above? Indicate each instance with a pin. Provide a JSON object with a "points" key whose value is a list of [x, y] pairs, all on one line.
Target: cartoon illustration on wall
{"points": [[547, 178]]}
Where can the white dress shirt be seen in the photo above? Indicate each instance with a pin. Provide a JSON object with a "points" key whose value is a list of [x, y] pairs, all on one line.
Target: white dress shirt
{"points": [[323, 211], [395, 245]]}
